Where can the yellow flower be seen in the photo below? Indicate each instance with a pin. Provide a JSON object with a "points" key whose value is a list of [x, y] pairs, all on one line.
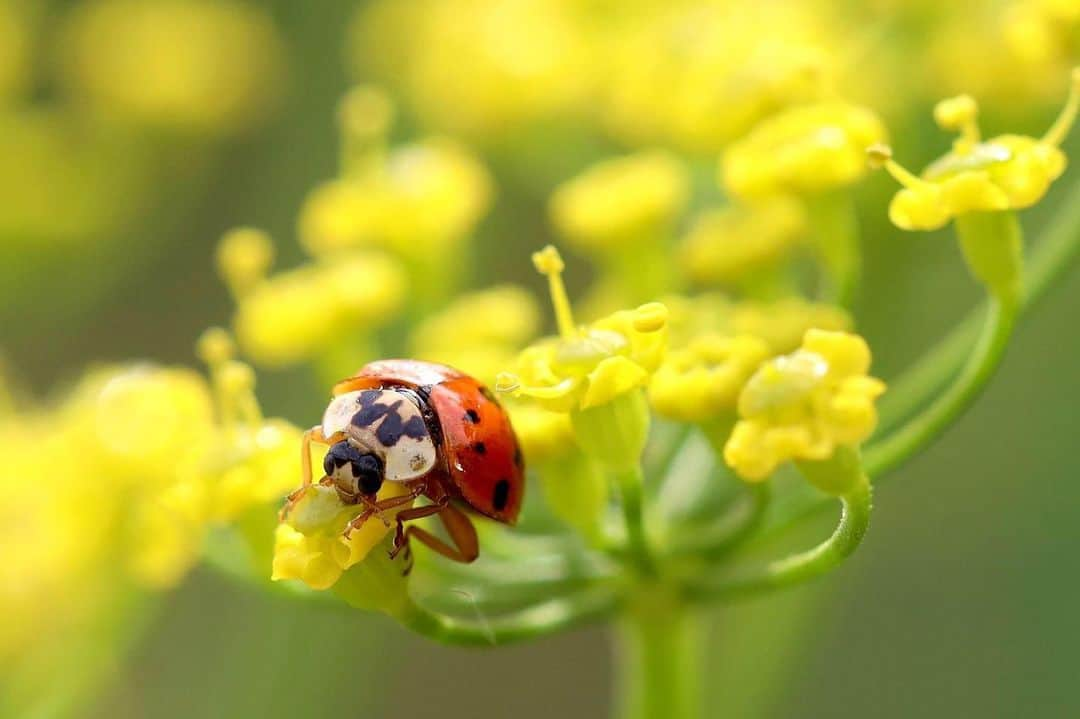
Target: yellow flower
{"points": [[1008, 172], [703, 380], [474, 67], [479, 332], [731, 243], [294, 315], [544, 435], [187, 64], [781, 324], [427, 198], [805, 405], [699, 75], [621, 200], [15, 50], [585, 367], [803, 150], [310, 545]]}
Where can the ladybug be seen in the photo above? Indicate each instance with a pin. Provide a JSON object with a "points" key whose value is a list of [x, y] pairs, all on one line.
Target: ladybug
{"points": [[436, 430]]}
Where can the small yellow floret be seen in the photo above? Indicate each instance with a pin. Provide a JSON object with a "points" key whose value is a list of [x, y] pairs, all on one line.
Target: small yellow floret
{"points": [[804, 405], [731, 243], [703, 380], [620, 200], [1008, 172], [244, 256], [807, 149]]}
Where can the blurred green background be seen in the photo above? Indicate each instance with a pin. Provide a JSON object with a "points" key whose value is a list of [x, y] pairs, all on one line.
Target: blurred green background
{"points": [[962, 602]]}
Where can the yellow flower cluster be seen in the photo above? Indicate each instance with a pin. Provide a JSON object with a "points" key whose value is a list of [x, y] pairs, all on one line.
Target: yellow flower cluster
{"points": [[479, 332], [310, 545], [1008, 172], [731, 245], [781, 324], [116, 486], [703, 380], [424, 197], [193, 65], [804, 150], [620, 201], [299, 314], [589, 366], [805, 405]]}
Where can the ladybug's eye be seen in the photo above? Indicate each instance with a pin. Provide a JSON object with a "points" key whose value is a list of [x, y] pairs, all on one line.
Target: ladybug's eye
{"points": [[353, 471], [368, 471]]}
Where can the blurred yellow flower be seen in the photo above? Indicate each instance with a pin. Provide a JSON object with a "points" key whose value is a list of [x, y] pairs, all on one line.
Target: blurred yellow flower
{"points": [[731, 244], [1008, 172], [621, 200], [474, 67], [205, 66], [702, 381], [15, 50], [805, 405], [427, 198], [781, 324], [700, 74], [585, 367], [804, 150], [297, 314], [478, 332]]}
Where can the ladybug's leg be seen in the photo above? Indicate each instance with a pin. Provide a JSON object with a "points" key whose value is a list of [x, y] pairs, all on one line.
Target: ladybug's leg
{"points": [[312, 435], [377, 508], [465, 547]]}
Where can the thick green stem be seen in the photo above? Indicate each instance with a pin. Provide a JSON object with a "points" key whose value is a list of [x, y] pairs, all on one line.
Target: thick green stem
{"points": [[835, 228], [920, 431], [798, 568], [659, 659], [1053, 255]]}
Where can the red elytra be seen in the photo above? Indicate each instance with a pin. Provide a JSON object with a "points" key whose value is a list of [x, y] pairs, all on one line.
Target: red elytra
{"points": [[478, 451]]}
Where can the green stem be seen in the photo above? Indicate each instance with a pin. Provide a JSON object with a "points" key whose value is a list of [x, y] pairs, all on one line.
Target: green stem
{"points": [[889, 453], [631, 481], [541, 619], [835, 229], [1053, 255], [798, 568], [659, 659]]}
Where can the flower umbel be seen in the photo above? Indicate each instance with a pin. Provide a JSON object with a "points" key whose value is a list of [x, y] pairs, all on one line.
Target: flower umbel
{"points": [[805, 405]]}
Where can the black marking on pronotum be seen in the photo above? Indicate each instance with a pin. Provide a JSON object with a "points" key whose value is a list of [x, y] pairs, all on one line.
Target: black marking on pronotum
{"points": [[393, 427], [479, 447], [472, 415], [501, 495]]}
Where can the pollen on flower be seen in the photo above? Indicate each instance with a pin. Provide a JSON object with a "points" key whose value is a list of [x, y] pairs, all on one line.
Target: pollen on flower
{"points": [[805, 405]]}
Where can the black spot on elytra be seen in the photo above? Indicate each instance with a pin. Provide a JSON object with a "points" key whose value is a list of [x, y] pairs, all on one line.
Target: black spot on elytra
{"points": [[501, 495], [472, 415], [479, 447]]}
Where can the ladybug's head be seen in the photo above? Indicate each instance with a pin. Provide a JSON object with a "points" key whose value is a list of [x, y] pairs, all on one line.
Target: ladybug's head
{"points": [[353, 471]]}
